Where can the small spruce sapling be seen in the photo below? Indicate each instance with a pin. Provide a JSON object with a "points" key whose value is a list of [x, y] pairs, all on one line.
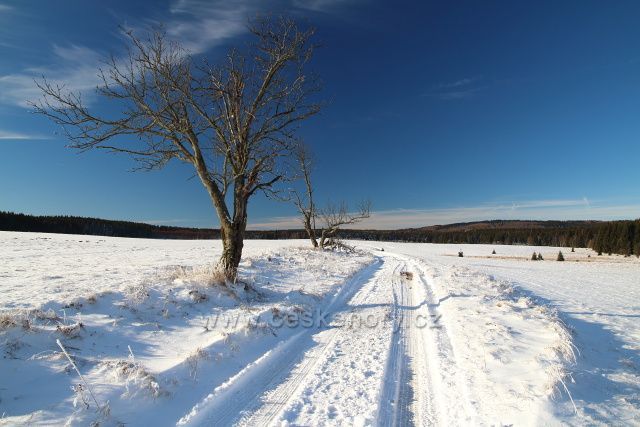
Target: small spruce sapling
{"points": [[534, 257], [540, 256], [560, 256]]}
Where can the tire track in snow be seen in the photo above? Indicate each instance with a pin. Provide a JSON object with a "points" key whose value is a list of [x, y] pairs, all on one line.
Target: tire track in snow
{"points": [[406, 396], [448, 385], [274, 402], [264, 411], [242, 395], [397, 393]]}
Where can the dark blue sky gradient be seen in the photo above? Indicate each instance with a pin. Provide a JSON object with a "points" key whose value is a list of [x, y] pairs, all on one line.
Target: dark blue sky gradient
{"points": [[438, 112]]}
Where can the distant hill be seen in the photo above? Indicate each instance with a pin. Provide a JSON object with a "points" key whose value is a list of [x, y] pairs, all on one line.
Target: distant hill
{"points": [[506, 224], [621, 237]]}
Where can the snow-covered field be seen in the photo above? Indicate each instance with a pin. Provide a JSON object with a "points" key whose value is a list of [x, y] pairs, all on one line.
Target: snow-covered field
{"points": [[409, 335]]}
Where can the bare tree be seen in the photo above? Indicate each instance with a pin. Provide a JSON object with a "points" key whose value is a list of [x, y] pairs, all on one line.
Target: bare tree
{"points": [[336, 216], [304, 200], [234, 123], [332, 217]]}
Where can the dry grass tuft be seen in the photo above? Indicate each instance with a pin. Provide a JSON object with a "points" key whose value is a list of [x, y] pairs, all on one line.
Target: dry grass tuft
{"points": [[137, 379], [70, 331], [8, 320], [193, 359], [208, 275]]}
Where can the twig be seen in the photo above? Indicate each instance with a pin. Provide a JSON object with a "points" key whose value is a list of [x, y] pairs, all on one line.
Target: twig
{"points": [[64, 350]]}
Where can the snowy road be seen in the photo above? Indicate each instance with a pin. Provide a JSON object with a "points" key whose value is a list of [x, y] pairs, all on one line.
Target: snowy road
{"points": [[369, 365], [386, 358]]}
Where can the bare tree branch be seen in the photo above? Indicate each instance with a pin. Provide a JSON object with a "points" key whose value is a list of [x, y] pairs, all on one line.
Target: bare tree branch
{"points": [[336, 216]]}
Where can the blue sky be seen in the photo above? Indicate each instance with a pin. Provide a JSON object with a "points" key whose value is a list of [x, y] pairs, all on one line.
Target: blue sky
{"points": [[438, 112]]}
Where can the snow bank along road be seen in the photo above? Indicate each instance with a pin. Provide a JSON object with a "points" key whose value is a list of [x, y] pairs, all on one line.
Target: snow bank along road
{"points": [[406, 336]]}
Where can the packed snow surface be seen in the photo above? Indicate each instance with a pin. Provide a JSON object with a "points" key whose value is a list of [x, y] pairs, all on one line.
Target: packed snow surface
{"points": [[135, 331]]}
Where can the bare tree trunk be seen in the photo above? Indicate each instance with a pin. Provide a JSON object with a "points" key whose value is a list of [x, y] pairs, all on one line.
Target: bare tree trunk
{"points": [[304, 201], [311, 231], [233, 234], [232, 244]]}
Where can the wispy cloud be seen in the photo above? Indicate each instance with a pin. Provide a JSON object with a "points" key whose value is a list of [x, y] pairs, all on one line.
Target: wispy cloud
{"points": [[20, 136], [578, 209], [75, 67], [200, 25], [319, 5], [458, 89], [5, 8], [458, 83]]}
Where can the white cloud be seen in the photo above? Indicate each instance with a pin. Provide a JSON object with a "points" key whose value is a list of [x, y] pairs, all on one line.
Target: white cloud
{"points": [[75, 67], [19, 135], [200, 25], [580, 209]]}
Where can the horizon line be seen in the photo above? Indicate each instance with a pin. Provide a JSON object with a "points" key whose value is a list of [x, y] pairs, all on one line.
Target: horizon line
{"points": [[252, 228]]}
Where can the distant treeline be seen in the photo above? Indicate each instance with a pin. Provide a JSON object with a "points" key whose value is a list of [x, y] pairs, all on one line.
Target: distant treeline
{"points": [[10, 221], [620, 237]]}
